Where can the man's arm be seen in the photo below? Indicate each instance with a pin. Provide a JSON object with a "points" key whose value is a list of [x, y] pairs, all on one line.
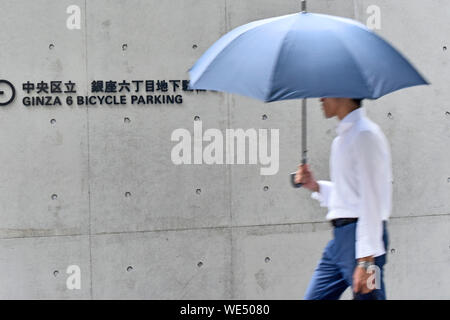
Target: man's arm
{"points": [[370, 168]]}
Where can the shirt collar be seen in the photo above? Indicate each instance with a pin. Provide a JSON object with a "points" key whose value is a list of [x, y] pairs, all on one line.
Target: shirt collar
{"points": [[350, 119]]}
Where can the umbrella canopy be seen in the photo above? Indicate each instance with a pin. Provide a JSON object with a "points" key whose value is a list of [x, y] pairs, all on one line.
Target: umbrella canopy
{"points": [[303, 55]]}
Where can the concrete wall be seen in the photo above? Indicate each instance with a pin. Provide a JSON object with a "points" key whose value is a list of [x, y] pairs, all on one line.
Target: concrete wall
{"points": [[63, 182]]}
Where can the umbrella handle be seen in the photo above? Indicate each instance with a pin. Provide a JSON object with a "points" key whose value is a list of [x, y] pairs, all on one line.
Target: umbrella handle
{"points": [[295, 185], [292, 174]]}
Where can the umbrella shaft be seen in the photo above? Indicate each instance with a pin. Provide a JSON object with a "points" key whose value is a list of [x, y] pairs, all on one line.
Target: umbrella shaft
{"points": [[304, 150]]}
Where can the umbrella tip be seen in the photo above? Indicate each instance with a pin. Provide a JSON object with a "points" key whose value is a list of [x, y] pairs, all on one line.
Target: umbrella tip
{"points": [[303, 6]]}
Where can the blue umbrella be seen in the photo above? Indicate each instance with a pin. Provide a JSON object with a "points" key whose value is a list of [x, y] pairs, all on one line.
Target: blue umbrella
{"points": [[303, 55]]}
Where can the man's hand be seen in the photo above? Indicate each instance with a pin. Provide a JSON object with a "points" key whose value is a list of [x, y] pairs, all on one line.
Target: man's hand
{"points": [[306, 177], [361, 277]]}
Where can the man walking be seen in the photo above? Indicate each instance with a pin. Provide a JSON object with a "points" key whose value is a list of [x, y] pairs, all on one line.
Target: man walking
{"points": [[358, 198]]}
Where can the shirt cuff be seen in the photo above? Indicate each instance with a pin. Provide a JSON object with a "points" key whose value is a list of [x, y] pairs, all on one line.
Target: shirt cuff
{"points": [[364, 248], [324, 194]]}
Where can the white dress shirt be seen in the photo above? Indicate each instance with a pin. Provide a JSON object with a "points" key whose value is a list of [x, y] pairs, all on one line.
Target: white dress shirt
{"points": [[361, 181]]}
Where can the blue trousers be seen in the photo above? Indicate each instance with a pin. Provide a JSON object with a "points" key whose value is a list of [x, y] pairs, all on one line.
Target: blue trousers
{"points": [[334, 273]]}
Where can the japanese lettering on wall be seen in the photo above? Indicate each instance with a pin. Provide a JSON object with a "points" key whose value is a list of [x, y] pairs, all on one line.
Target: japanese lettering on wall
{"points": [[135, 92]]}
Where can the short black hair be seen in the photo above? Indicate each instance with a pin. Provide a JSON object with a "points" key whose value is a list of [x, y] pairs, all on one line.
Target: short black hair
{"points": [[358, 102]]}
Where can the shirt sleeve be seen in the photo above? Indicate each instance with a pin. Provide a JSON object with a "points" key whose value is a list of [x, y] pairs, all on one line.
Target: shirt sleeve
{"points": [[323, 196], [370, 166]]}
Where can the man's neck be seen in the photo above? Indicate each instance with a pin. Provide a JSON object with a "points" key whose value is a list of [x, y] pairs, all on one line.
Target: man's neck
{"points": [[345, 110]]}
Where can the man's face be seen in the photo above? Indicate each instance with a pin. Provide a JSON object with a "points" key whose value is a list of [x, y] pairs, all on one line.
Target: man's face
{"points": [[330, 106]]}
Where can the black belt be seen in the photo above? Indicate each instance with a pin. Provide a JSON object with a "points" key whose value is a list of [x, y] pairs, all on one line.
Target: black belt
{"points": [[342, 221]]}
